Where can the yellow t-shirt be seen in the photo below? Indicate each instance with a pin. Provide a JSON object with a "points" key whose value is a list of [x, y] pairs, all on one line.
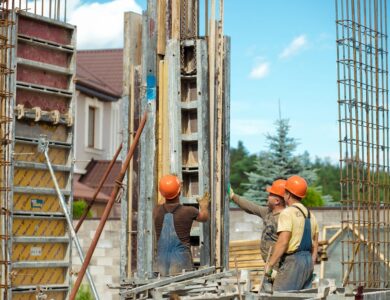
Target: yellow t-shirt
{"points": [[292, 220]]}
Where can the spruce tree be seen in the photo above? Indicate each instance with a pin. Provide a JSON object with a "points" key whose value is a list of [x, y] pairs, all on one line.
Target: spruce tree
{"points": [[278, 162]]}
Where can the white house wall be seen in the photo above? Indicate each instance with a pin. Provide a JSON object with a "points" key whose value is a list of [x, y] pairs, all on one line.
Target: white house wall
{"points": [[107, 130]]}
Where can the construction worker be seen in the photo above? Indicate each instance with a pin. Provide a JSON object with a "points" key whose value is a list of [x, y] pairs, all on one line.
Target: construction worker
{"points": [[173, 223], [297, 244], [269, 213]]}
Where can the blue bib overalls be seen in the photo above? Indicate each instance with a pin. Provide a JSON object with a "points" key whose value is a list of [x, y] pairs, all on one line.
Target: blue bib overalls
{"points": [[295, 272], [172, 255]]}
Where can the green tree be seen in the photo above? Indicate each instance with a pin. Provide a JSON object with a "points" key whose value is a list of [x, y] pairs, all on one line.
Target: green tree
{"points": [[329, 178], [278, 162], [241, 162], [84, 293], [79, 207], [313, 198]]}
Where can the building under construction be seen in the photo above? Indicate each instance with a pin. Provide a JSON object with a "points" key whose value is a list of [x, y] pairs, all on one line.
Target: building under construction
{"points": [[177, 105]]}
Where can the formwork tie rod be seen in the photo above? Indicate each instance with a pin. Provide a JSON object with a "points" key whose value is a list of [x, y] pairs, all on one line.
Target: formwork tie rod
{"points": [[43, 146], [107, 210]]}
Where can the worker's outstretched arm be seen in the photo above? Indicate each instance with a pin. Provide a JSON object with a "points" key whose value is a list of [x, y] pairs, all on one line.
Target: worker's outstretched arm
{"points": [[248, 206], [203, 215], [314, 250], [279, 249]]}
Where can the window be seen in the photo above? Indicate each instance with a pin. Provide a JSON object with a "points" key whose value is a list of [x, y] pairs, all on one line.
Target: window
{"points": [[91, 127]]}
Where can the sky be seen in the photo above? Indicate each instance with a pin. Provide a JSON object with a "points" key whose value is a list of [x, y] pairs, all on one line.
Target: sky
{"points": [[282, 51]]}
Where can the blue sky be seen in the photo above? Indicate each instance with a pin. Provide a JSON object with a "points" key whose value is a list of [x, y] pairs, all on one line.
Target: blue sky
{"points": [[281, 50]]}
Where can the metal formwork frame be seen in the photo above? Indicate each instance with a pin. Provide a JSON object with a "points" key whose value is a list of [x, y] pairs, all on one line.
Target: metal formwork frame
{"points": [[33, 234], [362, 70]]}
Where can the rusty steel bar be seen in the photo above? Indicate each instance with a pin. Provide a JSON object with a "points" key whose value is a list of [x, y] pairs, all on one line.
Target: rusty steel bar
{"points": [[362, 75], [107, 210], [102, 181]]}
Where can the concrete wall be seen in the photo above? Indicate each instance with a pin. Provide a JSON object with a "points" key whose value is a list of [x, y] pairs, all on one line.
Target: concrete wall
{"points": [[244, 226], [107, 128]]}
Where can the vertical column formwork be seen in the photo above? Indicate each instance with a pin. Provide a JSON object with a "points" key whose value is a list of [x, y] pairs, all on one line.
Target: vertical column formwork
{"points": [[362, 71], [39, 243]]}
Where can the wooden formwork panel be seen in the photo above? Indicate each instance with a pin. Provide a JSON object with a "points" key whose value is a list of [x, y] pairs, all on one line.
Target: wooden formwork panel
{"points": [[40, 276], [33, 296], [38, 251], [39, 178], [30, 153], [36, 203], [58, 133], [43, 54], [39, 227], [40, 76], [45, 31], [47, 102]]}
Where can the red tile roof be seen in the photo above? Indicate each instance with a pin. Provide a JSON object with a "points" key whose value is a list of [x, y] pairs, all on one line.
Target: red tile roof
{"points": [[101, 70], [95, 171], [81, 191]]}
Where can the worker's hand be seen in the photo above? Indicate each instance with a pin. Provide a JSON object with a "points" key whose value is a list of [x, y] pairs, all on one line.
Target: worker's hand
{"points": [[204, 201], [230, 192], [268, 271]]}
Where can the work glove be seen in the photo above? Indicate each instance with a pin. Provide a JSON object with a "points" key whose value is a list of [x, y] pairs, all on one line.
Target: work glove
{"points": [[230, 192], [204, 201]]}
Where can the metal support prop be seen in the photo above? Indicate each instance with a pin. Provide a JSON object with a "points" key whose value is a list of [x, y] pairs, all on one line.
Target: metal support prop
{"points": [[107, 210], [43, 146]]}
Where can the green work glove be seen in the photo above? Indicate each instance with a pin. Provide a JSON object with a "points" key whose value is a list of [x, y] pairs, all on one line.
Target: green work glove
{"points": [[230, 192]]}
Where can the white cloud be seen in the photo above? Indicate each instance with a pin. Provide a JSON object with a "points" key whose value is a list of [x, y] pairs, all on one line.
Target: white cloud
{"points": [[294, 47], [100, 25], [260, 70]]}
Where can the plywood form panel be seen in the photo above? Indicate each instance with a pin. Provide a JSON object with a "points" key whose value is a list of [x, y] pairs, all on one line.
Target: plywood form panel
{"points": [[189, 122], [39, 178], [45, 31], [47, 102], [38, 251], [43, 54], [33, 296], [40, 276], [36, 203], [190, 185], [42, 77], [188, 90], [39, 227], [29, 153], [33, 130]]}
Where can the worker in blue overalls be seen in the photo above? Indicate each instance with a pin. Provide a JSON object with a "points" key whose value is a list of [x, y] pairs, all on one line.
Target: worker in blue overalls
{"points": [[173, 222], [297, 242]]}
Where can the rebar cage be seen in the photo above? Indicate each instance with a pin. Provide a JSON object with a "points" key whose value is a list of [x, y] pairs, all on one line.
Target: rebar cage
{"points": [[362, 76]]}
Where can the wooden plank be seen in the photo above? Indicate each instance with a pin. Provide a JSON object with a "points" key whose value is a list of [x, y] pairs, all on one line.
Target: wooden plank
{"points": [[250, 264], [131, 57], [148, 188], [226, 152], [245, 252], [245, 243], [203, 141], [161, 35], [248, 257], [176, 19]]}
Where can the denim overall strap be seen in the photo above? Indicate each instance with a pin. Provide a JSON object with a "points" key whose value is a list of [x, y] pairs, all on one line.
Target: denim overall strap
{"points": [[172, 255], [306, 242]]}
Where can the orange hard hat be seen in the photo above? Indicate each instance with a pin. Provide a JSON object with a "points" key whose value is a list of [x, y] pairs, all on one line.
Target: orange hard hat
{"points": [[277, 187], [169, 186], [297, 186]]}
